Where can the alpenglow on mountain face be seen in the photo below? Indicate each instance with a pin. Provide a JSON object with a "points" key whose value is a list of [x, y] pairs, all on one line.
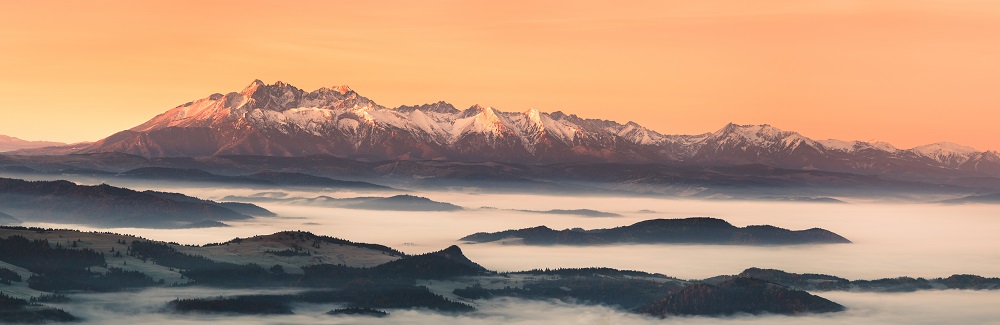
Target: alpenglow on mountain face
{"points": [[282, 120]]}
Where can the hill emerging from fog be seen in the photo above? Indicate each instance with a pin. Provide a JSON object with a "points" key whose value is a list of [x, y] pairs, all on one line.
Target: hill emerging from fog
{"points": [[665, 231]]}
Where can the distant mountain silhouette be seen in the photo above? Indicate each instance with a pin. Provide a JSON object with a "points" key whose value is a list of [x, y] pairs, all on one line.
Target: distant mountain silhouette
{"points": [[985, 198], [260, 179], [107, 206], [402, 202], [576, 212], [753, 181]]}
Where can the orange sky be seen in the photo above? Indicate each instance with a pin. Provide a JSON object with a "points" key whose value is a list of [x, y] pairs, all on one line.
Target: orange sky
{"points": [[909, 72]]}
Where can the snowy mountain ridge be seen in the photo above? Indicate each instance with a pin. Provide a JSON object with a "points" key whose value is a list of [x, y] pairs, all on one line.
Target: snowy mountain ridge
{"points": [[282, 120]]}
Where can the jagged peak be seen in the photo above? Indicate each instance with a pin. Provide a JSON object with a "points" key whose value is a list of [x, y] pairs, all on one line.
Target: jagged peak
{"points": [[342, 89], [534, 116], [733, 126], [253, 86], [438, 107], [990, 155], [560, 115], [752, 131], [478, 109], [258, 84]]}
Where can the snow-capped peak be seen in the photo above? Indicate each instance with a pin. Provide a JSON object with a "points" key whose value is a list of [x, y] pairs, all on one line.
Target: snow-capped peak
{"points": [[852, 146], [943, 148], [479, 119], [748, 131], [535, 117], [945, 152], [839, 145], [638, 134], [762, 134], [882, 145]]}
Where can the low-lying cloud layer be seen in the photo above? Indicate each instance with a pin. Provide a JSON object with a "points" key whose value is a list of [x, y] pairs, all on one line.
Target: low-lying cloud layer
{"points": [[928, 307], [921, 240], [890, 240]]}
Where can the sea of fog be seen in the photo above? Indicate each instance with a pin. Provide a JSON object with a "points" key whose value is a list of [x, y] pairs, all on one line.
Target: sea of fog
{"points": [[921, 240], [928, 307]]}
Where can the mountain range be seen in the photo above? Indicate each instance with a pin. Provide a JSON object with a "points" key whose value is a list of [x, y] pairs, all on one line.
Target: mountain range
{"points": [[282, 120]]}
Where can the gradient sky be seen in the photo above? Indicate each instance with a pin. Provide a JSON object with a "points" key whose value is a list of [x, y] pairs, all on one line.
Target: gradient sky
{"points": [[909, 72]]}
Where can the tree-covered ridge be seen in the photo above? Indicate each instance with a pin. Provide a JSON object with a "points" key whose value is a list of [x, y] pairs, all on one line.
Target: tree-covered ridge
{"points": [[740, 295], [57, 268], [313, 239], [622, 292], [362, 311], [359, 297]]}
